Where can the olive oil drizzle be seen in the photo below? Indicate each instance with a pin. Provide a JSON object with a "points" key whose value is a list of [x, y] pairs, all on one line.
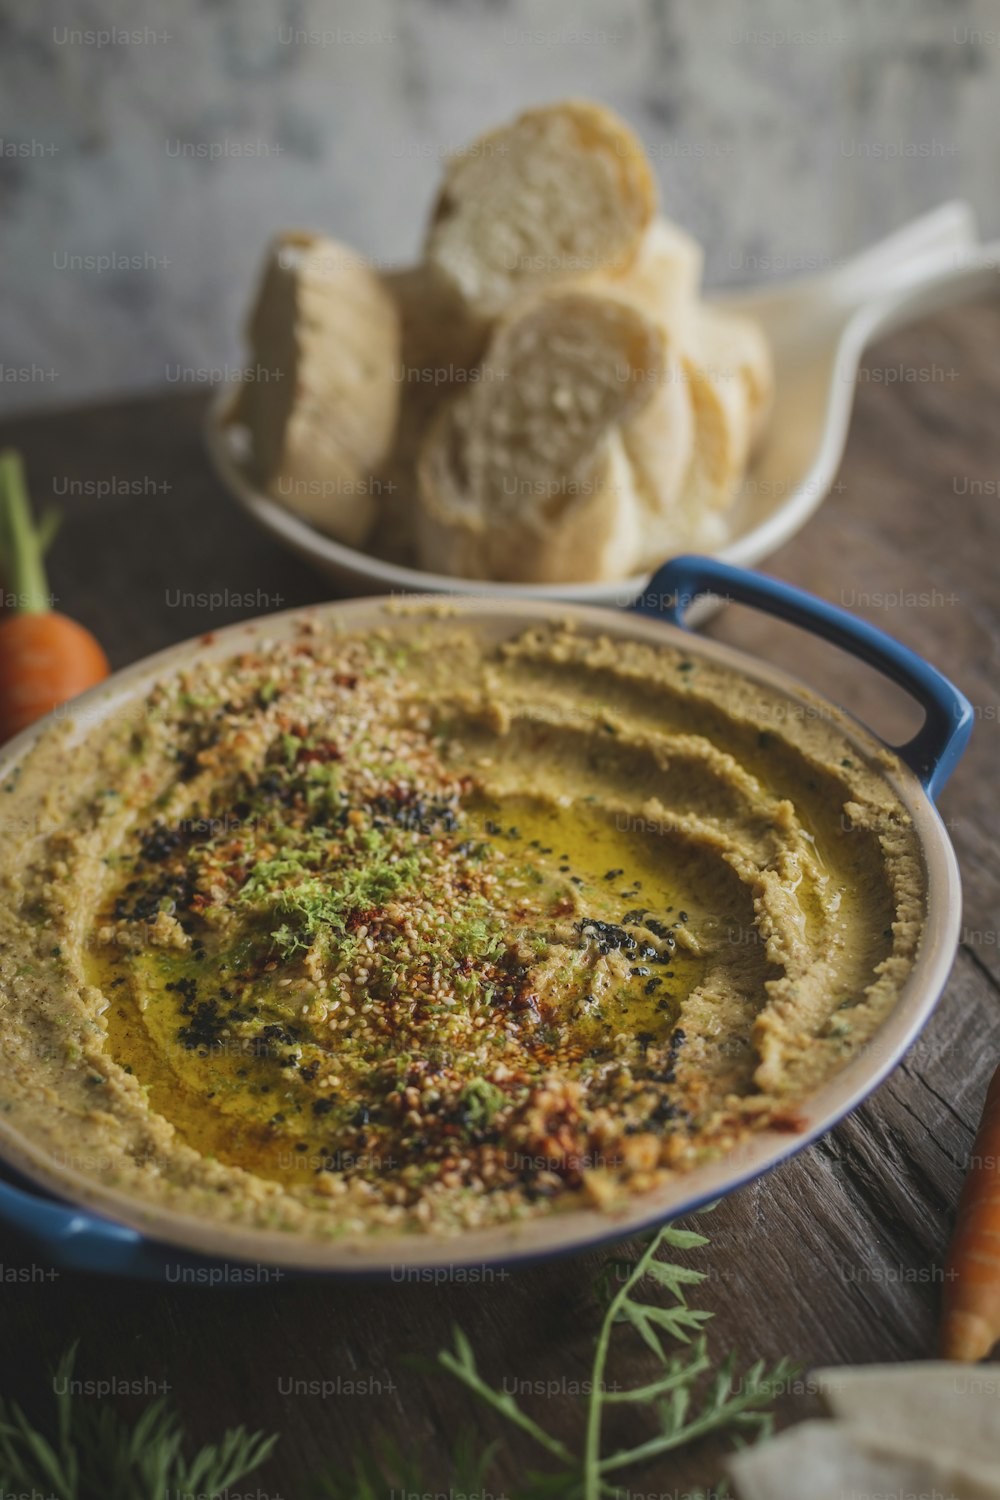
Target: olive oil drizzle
{"points": [[240, 1064]]}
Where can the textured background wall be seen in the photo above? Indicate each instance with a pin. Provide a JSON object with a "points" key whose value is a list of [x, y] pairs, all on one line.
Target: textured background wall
{"points": [[140, 175]]}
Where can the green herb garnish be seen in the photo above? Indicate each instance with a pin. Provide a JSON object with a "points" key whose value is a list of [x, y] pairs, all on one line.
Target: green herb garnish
{"points": [[92, 1450], [688, 1399]]}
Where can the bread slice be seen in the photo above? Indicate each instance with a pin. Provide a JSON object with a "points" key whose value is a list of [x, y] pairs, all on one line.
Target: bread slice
{"points": [[823, 1459], [562, 194], [659, 444], [525, 476], [711, 409], [591, 528], [665, 279], [439, 355], [325, 333], [713, 404], [720, 402], [731, 343], [433, 345]]}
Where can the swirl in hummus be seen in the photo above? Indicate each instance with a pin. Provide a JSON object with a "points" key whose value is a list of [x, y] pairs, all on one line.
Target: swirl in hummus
{"points": [[401, 930]]}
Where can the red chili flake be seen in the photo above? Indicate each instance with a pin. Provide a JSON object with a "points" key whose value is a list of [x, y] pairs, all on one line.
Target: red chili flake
{"points": [[325, 751]]}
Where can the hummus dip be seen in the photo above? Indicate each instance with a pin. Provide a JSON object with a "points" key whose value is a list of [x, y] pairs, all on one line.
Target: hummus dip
{"points": [[401, 930]]}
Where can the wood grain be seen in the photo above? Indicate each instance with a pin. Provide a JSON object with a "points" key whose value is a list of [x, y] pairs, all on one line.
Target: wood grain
{"points": [[835, 1256]]}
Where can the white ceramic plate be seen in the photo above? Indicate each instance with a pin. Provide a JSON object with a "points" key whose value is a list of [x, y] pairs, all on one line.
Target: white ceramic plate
{"points": [[818, 327]]}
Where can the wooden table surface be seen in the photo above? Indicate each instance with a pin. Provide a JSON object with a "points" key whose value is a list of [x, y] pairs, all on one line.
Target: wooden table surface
{"points": [[836, 1255]]}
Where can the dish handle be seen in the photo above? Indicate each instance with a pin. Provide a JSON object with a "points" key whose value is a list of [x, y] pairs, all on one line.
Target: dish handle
{"points": [[936, 748], [939, 244], [74, 1239]]}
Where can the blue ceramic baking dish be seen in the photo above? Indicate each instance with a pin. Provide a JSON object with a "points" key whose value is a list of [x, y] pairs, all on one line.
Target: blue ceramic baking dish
{"points": [[84, 1225]]}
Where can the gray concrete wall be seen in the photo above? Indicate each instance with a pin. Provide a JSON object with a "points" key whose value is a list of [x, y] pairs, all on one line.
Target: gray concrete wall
{"points": [[141, 174]]}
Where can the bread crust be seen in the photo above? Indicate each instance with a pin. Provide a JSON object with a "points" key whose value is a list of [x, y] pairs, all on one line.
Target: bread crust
{"points": [[665, 278], [326, 333], [729, 340], [439, 353]]}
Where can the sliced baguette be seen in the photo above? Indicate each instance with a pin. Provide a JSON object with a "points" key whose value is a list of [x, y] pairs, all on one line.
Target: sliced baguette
{"points": [[726, 369], [325, 332], [713, 406], [665, 279], [720, 402], [432, 342], [659, 444], [525, 477], [736, 346], [825, 1460], [592, 528], [561, 194], [439, 354]]}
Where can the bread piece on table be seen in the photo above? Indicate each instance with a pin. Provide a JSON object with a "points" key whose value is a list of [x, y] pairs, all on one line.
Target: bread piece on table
{"points": [[525, 477], [921, 1402], [562, 193], [325, 332], [825, 1460]]}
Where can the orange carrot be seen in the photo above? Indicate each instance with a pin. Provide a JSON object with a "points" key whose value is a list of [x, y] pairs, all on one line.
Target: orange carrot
{"points": [[971, 1302], [45, 657]]}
